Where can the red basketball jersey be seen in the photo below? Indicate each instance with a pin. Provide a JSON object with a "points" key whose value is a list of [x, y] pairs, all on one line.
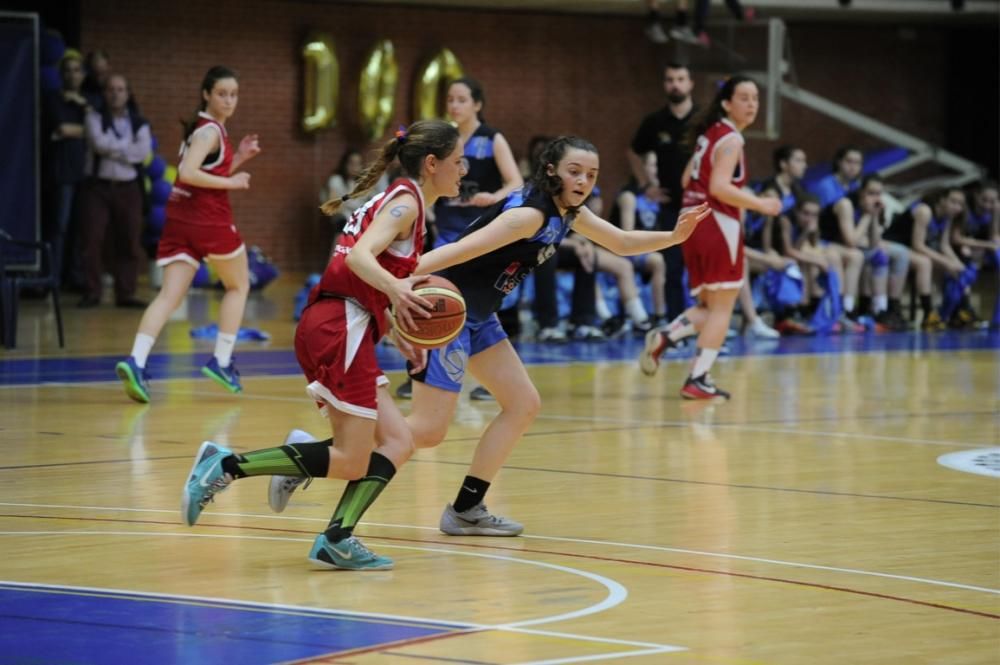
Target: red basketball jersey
{"points": [[400, 258], [202, 205], [703, 161]]}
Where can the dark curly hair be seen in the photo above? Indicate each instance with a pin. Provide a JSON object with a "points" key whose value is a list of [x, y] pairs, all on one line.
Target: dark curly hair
{"points": [[553, 153]]}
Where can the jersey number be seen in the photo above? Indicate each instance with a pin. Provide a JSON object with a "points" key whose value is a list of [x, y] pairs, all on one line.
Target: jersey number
{"points": [[699, 153]]}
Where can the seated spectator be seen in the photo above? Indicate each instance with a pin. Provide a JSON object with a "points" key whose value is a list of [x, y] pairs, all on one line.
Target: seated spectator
{"points": [[977, 238], [888, 261], [796, 236], [342, 181], [635, 208], [926, 228], [837, 225], [118, 139]]}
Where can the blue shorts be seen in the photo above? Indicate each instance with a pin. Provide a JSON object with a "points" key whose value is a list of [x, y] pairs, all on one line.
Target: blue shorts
{"points": [[446, 367]]}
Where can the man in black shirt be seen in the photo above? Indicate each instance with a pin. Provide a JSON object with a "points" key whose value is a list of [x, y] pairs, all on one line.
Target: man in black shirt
{"points": [[663, 132]]}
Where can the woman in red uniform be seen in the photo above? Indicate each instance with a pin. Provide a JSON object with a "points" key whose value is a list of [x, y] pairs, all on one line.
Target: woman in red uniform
{"points": [[200, 226], [713, 254], [370, 270]]}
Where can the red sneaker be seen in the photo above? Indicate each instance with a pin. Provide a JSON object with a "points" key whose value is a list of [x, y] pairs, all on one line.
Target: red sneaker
{"points": [[702, 388]]}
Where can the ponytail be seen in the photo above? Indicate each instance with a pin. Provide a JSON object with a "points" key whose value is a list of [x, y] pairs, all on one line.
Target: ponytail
{"points": [[410, 146]]}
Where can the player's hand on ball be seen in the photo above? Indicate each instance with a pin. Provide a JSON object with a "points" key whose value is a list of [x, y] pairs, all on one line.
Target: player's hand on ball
{"points": [[415, 356], [405, 303]]}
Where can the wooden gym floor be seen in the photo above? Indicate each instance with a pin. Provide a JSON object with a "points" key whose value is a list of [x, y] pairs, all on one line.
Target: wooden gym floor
{"points": [[811, 520]]}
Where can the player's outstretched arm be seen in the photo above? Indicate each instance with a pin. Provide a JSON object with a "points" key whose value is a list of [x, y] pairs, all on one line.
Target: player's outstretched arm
{"points": [[509, 226], [627, 243]]}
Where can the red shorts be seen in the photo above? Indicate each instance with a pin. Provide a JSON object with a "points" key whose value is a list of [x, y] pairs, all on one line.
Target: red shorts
{"points": [[713, 255], [193, 242], [335, 346]]}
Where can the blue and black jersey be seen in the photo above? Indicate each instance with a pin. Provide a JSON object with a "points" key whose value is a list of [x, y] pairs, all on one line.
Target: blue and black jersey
{"points": [[901, 230], [482, 176], [485, 280]]}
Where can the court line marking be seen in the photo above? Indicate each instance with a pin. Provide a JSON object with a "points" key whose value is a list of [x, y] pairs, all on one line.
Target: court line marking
{"points": [[633, 424], [760, 428], [617, 593], [586, 541]]}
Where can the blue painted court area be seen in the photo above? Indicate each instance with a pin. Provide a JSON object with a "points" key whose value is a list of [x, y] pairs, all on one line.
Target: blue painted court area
{"points": [[281, 362], [82, 626]]}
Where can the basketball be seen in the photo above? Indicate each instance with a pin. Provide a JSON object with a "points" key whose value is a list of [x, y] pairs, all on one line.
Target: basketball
{"points": [[447, 315]]}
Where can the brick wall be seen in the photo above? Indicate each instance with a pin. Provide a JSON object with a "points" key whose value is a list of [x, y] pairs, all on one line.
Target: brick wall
{"points": [[543, 73]]}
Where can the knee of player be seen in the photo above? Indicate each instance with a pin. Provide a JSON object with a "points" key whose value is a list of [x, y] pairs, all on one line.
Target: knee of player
{"points": [[427, 434], [527, 404]]}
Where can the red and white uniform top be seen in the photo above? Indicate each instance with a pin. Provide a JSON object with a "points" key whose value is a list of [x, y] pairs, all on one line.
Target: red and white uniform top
{"points": [[399, 258], [202, 205], [721, 133]]}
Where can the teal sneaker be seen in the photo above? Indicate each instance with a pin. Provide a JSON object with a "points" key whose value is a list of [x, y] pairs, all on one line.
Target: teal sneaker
{"points": [[280, 488], [134, 378], [205, 480], [227, 377], [348, 554]]}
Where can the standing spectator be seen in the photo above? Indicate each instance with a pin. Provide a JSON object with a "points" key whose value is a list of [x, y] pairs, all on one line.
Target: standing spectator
{"points": [[714, 253], [97, 69], [491, 174], [65, 112], [119, 140], [200, 226], [663, 132]]}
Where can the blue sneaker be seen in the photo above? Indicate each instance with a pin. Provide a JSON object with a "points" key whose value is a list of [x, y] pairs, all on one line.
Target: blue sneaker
{"points": [[227, 377], [205, 480], [348, 554], [134, 378]]}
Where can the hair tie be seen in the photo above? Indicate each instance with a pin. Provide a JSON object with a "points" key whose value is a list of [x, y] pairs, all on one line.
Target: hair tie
{"points": [[401, 135], [345, 198]]}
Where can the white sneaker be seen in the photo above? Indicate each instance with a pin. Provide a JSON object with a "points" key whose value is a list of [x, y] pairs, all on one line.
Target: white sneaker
{"points": [[684, 34], [656, 34], [280, 488], [553, 334], [760, 329], [477, 521]]}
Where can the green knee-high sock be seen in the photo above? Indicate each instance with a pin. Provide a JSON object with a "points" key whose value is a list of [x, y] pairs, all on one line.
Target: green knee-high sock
{"points": [[358, 496], [308, 460]]}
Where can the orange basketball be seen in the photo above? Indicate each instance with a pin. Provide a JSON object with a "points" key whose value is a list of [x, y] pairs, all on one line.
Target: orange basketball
{"points": [[447, 315]]}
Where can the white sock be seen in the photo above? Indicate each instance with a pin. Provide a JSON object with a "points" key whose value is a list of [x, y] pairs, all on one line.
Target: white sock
{"points": [[848, 304], [703, 362], [680, 328], [880, 303], [636, 311], [603, 313], [141, 347], [224, 344]]}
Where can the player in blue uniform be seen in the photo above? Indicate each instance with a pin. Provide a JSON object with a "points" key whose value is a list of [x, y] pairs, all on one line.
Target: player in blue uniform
{"points": [[491, 258]]}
